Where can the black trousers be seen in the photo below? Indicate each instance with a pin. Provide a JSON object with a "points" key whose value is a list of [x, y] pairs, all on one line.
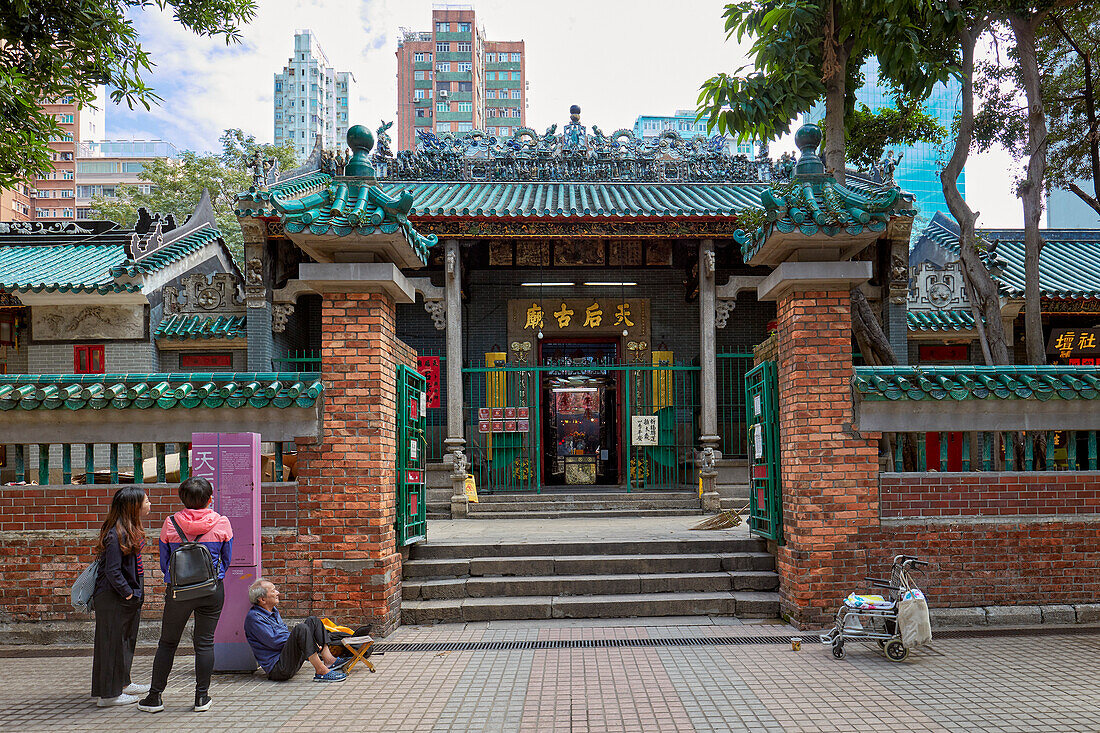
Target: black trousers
{"points": [[116, 630], [306, 639], [206, 610]]}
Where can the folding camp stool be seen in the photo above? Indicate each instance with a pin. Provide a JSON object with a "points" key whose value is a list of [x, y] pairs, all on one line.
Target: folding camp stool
{"points": [[360, 647]]}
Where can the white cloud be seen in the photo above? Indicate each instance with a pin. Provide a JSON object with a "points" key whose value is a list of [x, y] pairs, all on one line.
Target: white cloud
{"points": [[615, 58]]}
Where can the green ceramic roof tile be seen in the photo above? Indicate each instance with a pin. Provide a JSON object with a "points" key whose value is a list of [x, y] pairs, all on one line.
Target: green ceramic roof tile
{"points": [[977, 382], [1069, 262], [179, 249], [808, 199], [947, 320], [257, 202], [163, 391], [201, 327], [520, 200], [351, 205], [63, 268], [89, 267]]}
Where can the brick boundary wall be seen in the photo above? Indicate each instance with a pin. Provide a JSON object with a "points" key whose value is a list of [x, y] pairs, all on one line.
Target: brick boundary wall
{"points": [[994, 538], [49, 531], [1002, 561], [909, 495]]}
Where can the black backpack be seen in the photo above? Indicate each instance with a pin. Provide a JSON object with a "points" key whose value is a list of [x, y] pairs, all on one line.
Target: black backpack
{"points": [[192, 569]]}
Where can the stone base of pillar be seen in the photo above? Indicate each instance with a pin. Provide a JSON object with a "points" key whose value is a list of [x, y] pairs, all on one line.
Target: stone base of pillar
{"points": [[460, 506], [712, 501]]}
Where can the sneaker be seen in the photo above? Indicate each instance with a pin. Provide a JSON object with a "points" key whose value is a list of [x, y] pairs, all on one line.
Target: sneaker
{"points": [[202, 702], [133, 689], [152, 703], [334, 675], [110, 702]]}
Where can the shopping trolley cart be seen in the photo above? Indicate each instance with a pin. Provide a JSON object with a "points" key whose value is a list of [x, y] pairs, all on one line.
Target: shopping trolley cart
{"points": [[876, 617]]}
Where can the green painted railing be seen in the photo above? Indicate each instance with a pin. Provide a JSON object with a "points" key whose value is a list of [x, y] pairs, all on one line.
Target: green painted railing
{"points": [[113, 463], [1065, 450], [732, 367], [300, 361]]}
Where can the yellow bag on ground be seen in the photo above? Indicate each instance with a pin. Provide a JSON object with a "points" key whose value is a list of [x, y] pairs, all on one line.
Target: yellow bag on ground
{"points": [[471, 489]]}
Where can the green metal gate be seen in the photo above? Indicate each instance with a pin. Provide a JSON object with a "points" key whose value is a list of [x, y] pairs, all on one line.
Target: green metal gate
{"points": [[665, 394], [412, 524], [765, 482]]}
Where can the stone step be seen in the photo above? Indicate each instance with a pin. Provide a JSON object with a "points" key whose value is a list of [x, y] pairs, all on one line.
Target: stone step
{"points": [[704, 543], [586, 565], [584, 513], [744, 604], [691, 503], [581, 585]]}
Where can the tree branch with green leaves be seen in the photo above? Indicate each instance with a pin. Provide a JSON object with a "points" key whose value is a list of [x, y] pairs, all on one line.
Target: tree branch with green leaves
{"points": [[62, 49]]}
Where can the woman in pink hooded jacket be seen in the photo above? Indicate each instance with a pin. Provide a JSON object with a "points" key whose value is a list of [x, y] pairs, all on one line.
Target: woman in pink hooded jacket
{"points": [[199, 523]]}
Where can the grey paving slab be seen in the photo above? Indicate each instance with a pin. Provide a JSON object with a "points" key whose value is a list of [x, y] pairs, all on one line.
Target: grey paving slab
{"points": [[993, 684], [490, 694]]}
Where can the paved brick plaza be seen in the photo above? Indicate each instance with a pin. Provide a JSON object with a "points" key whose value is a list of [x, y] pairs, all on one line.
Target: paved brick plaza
{"points": [[1004, 683]]}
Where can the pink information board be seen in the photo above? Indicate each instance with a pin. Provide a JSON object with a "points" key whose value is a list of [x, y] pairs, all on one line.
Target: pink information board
{"points": [[231, 461]]}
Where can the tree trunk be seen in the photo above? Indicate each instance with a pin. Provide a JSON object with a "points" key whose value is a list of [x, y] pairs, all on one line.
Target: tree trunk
{"points": [[1031, 190], [982, 289], [835, 64], [872, 340]]}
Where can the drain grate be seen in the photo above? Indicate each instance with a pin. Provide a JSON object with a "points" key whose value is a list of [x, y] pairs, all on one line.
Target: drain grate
{"points": [[807, 638], [548, 644]]}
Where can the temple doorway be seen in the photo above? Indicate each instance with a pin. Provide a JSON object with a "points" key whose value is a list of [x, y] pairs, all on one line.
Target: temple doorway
{"points": [[581, 433]]}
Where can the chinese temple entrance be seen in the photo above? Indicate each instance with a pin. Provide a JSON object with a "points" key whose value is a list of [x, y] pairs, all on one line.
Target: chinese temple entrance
{"points": [[580, 430]]}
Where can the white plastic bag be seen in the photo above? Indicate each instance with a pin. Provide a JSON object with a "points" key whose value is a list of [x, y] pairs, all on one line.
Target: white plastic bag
{"points": [[914, 624]]}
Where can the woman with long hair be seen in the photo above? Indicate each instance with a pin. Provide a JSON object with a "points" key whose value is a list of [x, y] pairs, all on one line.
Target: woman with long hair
{"points": [[119, 594]]}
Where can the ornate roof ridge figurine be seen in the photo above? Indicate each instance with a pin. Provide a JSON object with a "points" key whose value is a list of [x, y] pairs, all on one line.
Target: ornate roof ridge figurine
{"points": [[573, 155], [265, 171]]}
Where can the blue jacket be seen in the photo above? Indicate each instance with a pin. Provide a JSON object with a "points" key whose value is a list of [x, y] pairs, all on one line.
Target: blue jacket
{"points": [[213, 528], [266, 634]]}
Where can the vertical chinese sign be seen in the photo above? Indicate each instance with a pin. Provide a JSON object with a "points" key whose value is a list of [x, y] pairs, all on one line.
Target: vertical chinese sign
{"points": [[429, 367], [231, 461]]}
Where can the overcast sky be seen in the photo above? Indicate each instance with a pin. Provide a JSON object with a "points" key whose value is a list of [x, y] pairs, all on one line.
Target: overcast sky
{"points": [[615, 58]]}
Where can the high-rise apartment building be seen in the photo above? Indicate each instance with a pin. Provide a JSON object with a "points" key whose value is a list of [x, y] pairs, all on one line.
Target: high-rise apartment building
{"points": [[312, 98], [102, 166], [451, 80], [650, 127], [53, 196], [919, 170]]}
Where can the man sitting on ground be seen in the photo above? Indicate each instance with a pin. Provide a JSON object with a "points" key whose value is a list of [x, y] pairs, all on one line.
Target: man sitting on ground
{"points": [[281, 651]]}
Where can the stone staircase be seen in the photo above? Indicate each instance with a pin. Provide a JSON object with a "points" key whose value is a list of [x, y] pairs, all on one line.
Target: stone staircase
{"points": [[461, 581], [590, 504]]}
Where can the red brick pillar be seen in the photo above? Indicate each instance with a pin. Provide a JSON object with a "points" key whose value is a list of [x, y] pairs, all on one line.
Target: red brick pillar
{"points": [[346, 482], [830, 472]]}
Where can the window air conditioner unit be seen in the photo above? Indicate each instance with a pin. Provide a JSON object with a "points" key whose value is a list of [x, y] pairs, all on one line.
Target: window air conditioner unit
{"points": [[443, 93]]}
